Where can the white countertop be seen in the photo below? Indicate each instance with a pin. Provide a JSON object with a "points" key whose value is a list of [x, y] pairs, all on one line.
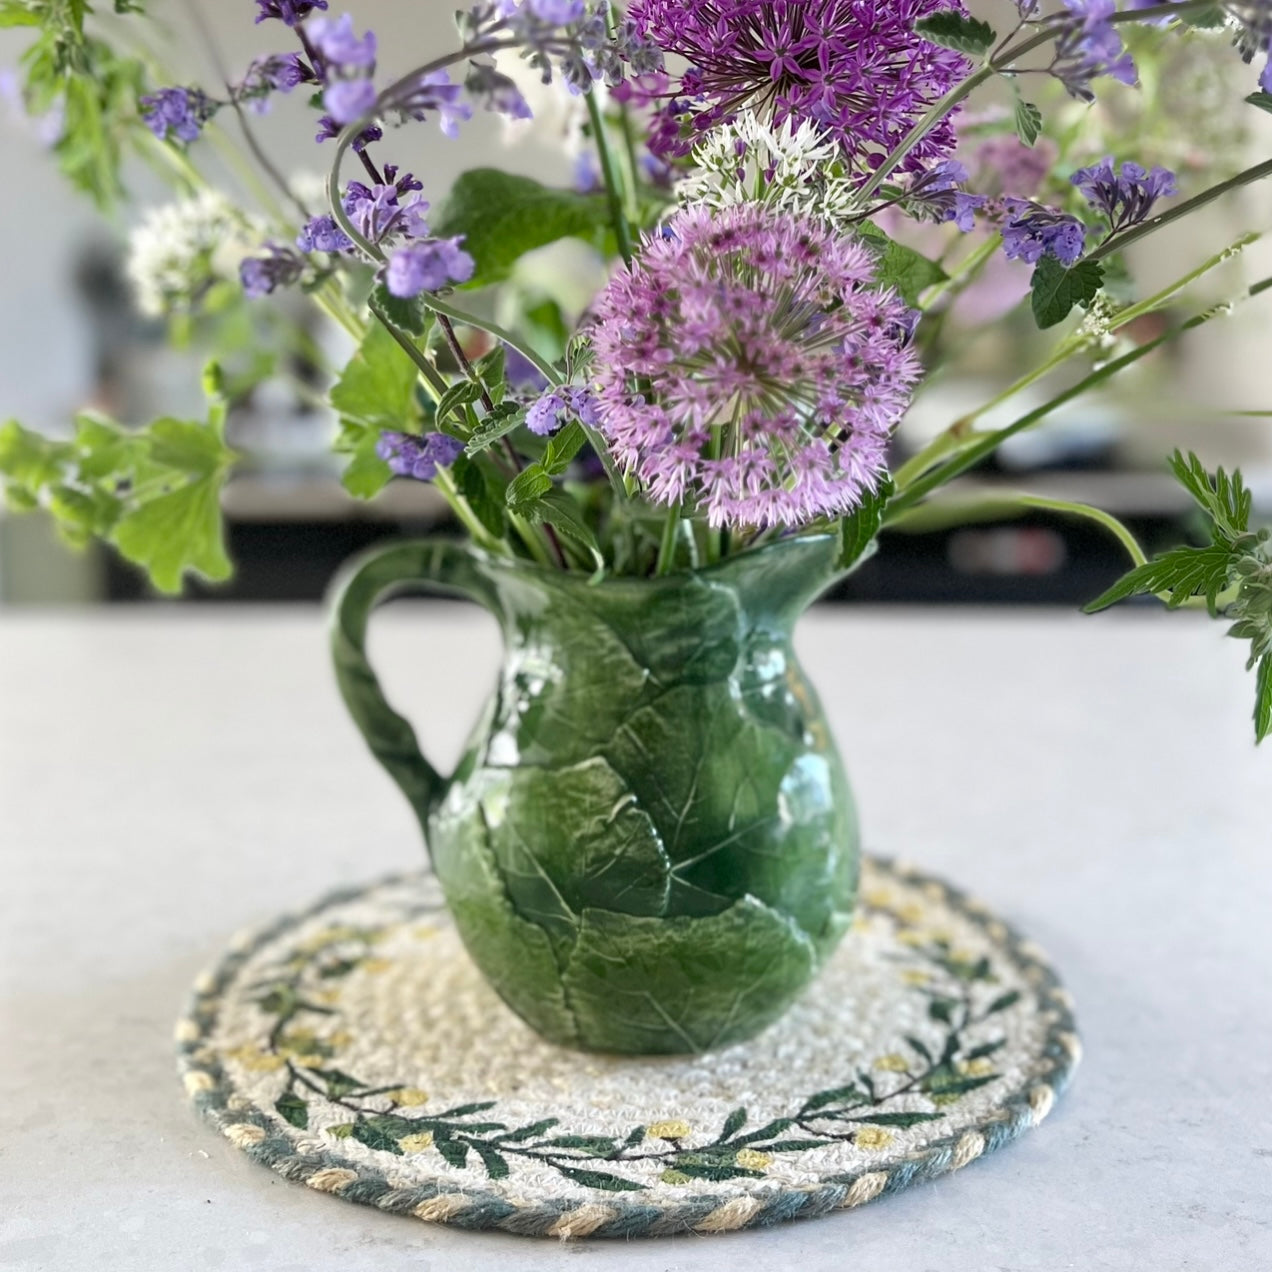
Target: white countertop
{"points": [[168, 776]]}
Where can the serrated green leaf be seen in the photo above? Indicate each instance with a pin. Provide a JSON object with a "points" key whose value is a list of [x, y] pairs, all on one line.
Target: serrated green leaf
{"points": [[1181, 573], [901, 267], [953, 30], [1263, 699], [1028, 121], [528, 487], [563, 447], [858, 531], [507, 419], [377, 386], [1057, 288], [1223, 498], [502, 217], [291, 1108], [411, 316], [559, 509]]}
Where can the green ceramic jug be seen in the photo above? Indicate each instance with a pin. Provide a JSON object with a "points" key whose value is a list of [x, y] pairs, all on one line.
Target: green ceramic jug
{"points": [[649, 845]]}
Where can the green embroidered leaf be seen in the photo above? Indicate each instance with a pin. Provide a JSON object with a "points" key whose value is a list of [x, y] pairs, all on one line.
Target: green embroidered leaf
{"points": [[767, 1131], [1262, 100], [599, 1179], [467, 1110], [291, 1108], [380, 1134], [634, 1136], [342, 1131], [986, 1049], [1263, 699], [954, 31], [454, 1152], [902, 1120], [940, 1084], [920, 1047], [733, 1124], [793, 1145], [1028, 122], [337, 1082], [834, 1096], [529, 1132], [716, 1170], [942, 1009], [1057, 288], [597, 1145], [502, 217], [1002, 1002], [496, 1165]]}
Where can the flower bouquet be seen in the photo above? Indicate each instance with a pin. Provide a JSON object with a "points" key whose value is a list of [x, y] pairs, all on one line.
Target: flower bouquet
{"points": [[650, 845]]}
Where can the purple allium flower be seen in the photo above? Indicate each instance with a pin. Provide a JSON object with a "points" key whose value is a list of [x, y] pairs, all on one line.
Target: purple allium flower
{"points": [[1007, 166], [290, 12], [1127, 198], [855, 67], [385, 212], [409, 455], [558, 406], [428, 266], [1089, 46], [322, 234], [177, 112], [779, 369], [261, 275], [1032, 231], [936, 195], [347, 100], [435, 92], [339, 46]]}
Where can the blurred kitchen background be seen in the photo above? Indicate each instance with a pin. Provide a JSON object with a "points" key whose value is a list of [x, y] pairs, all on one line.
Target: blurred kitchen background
{"points": [[72, 335]]}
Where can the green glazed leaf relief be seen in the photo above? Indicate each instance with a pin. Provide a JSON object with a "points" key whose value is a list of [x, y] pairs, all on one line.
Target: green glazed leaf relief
{"points": [[650, 845]]}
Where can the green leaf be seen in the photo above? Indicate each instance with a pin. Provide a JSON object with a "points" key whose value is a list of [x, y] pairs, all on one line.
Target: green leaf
{"points": [[733, 1124], [528, 487], [942, 1009], [1057, 288], [1223, 498], [954, 31], [366, 474], [1181, 573], [337, 1082], [495, 1164], [456, 398], [506, 419], [1262, 100], [834, 1096], [598, 1179], [291, 1108], [910, 272], [563, 512], [377, 387], [454, 1152], [1001, 1003], [859, 529], [597, 1145], [380, 1134], [793, 1145], [564, 447], [502, 217], [902, 1120], [920, 1047], [1263, 699], [411, 316], [1028, 121], [529, 1132], [484, 492]]}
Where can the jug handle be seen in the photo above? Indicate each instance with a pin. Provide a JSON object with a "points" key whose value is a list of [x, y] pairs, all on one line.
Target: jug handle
{"points": [[445, 566]]}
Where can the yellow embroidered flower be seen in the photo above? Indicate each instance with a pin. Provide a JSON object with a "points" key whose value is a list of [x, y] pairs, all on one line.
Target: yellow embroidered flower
{"points": [[328, 936], [879, 898], [424, 933], [912, 912], [310, 1060], [911, 936], [872, 1137], [408, 1097], [753, 1159], [913, 976], [674, 1177], [893, 1062], [981, 1067], [341, 1038], [672, 1129], [254, 1060], [416, 1143], [326, 996], [376, 965]]}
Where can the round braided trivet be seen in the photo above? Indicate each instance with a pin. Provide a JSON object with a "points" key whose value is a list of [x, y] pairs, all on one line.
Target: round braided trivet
{"points": [[356, 1049]]}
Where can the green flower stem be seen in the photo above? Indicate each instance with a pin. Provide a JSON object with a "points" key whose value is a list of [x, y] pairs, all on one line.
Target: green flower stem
{"points": [[986, 443], [964, 272], [999, 64], [667, 548], [1153, 224], [995, 505], [455, 314], [609, 171], [467, 517]]}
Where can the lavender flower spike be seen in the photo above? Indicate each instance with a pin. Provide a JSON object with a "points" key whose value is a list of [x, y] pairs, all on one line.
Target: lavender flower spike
{"points": [[1033, 231], [178, 113], [1126, 199], [428, 266], [779, 369], [418, 457]]}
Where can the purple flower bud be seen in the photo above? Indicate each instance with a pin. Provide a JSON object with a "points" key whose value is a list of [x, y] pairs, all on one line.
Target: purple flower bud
{"points": [[1033, 231], [1127, 198], [409, 455], [336, 41], [348, 100], [428, 266], [261, 275], [177, 113], [290, 12], [322, 234]]}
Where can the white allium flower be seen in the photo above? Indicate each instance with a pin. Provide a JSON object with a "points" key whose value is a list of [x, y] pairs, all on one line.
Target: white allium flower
{"points": [[183, 248], [797, 170]]}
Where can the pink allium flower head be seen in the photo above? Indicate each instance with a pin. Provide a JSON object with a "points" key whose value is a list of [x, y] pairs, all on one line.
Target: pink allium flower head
{"points": [[747, 364], [855, 67]]}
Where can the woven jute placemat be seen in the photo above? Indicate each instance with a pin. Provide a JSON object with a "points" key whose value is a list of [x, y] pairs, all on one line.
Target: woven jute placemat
{"points": [[356, 1049]]}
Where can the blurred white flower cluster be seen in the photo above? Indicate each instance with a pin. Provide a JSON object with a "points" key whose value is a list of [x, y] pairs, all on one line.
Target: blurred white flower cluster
{"points": [[181, 250]]}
